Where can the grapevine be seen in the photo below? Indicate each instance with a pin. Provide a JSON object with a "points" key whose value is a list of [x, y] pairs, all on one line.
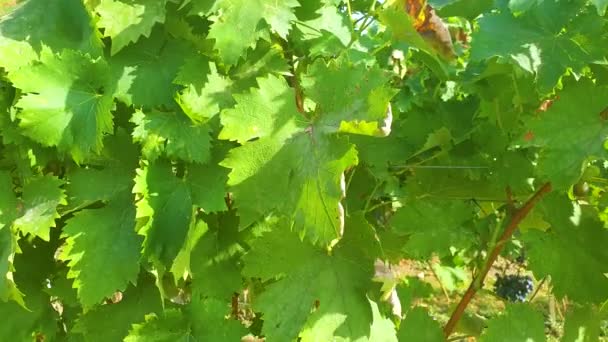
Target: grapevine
{"points": [[303, 170]]}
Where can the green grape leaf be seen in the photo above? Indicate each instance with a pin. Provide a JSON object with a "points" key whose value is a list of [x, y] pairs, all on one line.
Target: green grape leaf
{"points": [[301, 177], [195, 71], [332, 287], [124, 21], [8, 201], [461, 8], [171, 134], [167, 203], [401, 26], [67, 102], [171, 326], [433, 226], [201, 7], [102, 250], [113, 321], [90, 185], [182, 263], [202, 102], [383, 328], [583, 240], [34, 264], [326, 20], [350, 98], [308, 166], [20, 324], [209, 323], [419, 326], [41, 197], [601, 6], [146, 70], [326, 33], [265, 111], [8, 241], [412, 288], [567, 142], [533, 41], [208, 186], [8, 248], [245, 17], [582, 325], [401, 29], [266, 58], [520, 322], [34, 23], [216, 275]]}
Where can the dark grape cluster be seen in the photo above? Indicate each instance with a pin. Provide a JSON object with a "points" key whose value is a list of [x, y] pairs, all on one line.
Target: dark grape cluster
{"points": [[513, 287]]}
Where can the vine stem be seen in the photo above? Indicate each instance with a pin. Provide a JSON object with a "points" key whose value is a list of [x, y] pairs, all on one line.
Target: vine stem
{"points": [[538, 287], [477, 282]]}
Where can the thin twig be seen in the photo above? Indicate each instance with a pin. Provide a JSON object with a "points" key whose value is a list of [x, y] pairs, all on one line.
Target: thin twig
{"points": [[369, 199], [443, 289], [460, 337], [540, 285], [378, 205], [415, 166], [478, 281]]}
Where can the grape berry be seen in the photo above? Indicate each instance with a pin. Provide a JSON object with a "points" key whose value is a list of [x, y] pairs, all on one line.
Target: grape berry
{"points": [[512, 287]]}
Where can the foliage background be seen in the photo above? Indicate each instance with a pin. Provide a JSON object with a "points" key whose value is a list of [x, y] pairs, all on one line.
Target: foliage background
{"points": [[205, 170]]}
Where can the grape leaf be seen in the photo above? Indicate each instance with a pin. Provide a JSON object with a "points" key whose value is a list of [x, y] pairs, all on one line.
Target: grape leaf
{"points": [[209, 322], [401, 28], [350, 98], [67, 102], [8, 246], [301, 177], [41, 196], [245, 16], [208, 186], [601, 6], [124, 21], [567, 143], [34, 23], [308, 166], [412, 288], [146, 70], [263, 112], [113, 321], [216, 275], [172, 133], [171, 326], [89, 185], [102, 250], [383, 328], [167, 204], [433, 227], [461, 8], [202, 102], [418, 326], [326, 33], [182, 263], [582, 325], [533, 41], [8, 200], [306, 274], [583, 239], [395, 16], [35, 264], [519, 323], [21, 324]]}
